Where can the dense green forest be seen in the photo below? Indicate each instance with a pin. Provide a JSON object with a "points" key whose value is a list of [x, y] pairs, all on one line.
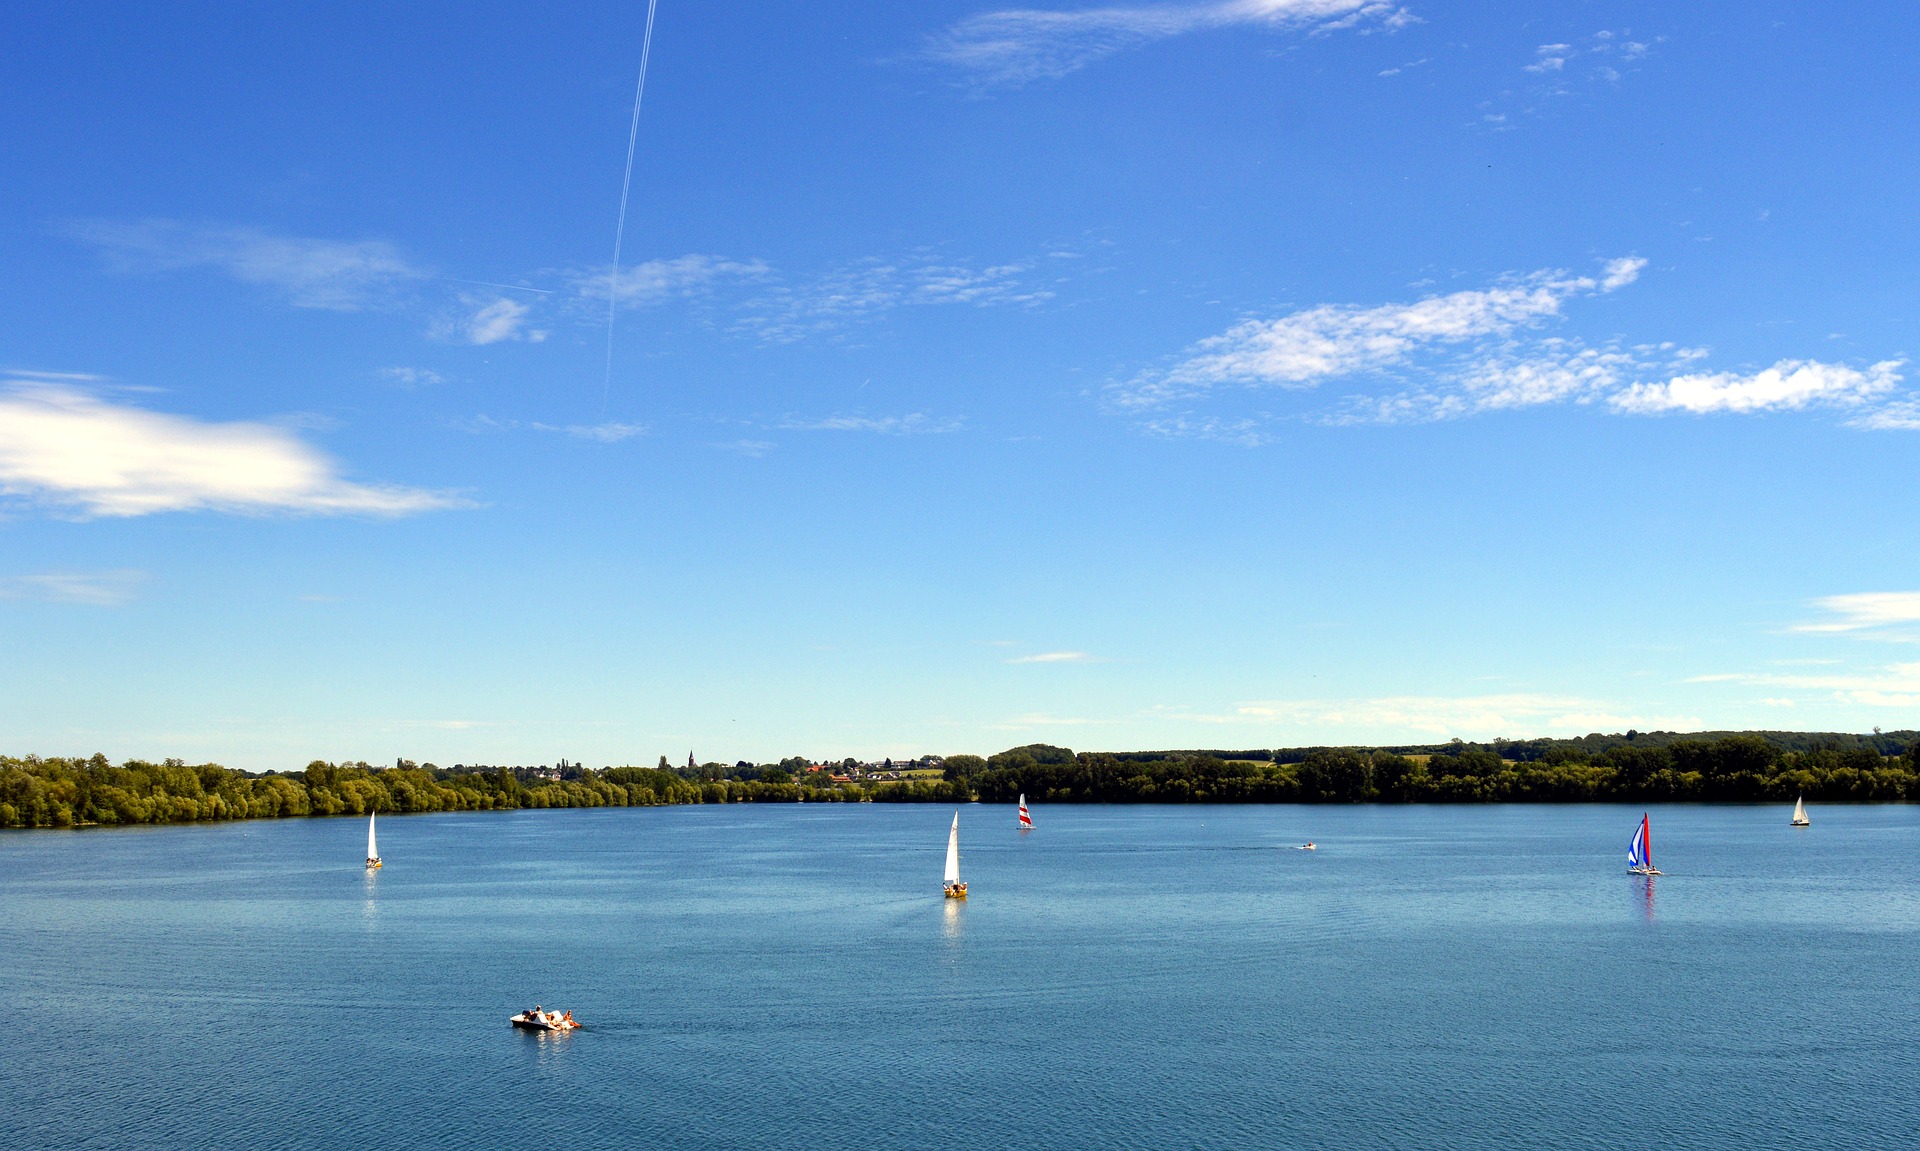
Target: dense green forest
{"points": [[1752, 766]]}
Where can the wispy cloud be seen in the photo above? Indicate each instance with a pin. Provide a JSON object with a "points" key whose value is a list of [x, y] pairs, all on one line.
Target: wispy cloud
{"points": [[1901, 415], [1477, 351], [657, 281], [1550, 58], [1020, 45], [340, 275], [1242, 432], [94, 589], [1601, 55], [605, 433], [1054, 657], [1861, 611], [1884, 616], [413, 377], [1038, 719], [1308, 347], [1896, 685], [911, 424], [610, 432], [69, 449], [787, 312], [1474, 716], [1565, 68], [497, 320]]}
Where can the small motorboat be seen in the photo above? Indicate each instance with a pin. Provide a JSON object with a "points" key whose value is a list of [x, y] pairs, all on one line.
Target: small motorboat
{"points": [[1309, 845], [534, 1019]]}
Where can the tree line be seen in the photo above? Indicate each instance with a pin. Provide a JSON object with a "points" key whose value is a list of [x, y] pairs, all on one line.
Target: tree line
{"points": [[74, 792], [1731, 767]]}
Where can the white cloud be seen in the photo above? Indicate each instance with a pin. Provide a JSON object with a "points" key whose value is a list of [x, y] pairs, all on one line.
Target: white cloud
{"points": [[1054, 657], [1786, 386], [70, 449], [1862, 610], [94, 589], [1309, 347], [1621, 272], [341, 275], [1021, 45], [913, 423]]}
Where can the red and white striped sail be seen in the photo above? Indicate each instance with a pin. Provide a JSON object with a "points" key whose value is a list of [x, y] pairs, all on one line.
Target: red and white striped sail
{"points": [[1026, 820]]}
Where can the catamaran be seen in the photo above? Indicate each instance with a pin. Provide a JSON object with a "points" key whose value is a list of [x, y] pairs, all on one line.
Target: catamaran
{"points": [[955, 888], [1026, 820], [1800, 812], [373, 851], [1640, 854]]}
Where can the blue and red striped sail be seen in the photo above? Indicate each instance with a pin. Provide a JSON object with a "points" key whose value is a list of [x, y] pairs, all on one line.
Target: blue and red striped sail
{"points": [[1640, 853]]}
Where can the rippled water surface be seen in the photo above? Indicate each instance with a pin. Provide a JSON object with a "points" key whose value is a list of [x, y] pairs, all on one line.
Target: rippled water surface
{"points": [[789, 976]]}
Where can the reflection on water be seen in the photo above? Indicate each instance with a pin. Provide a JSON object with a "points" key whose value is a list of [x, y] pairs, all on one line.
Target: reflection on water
{"points": [[370, 887], [950, 921], [1646, 898], [547, 1045]]}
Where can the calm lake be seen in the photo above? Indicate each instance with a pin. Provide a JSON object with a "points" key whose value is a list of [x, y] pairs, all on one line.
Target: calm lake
{"points": [[780, 976]]}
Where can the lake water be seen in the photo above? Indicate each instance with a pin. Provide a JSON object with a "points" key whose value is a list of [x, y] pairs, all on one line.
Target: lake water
{"points": [[784, 976]]}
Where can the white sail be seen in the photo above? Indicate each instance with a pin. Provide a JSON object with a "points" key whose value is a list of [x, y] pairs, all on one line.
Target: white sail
{"points": [[373, 851], [953, 851], [1800, 812]]}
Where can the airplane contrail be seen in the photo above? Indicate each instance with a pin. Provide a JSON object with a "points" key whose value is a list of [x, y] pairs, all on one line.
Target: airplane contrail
{"points": [[626, 184], [509, 287]]}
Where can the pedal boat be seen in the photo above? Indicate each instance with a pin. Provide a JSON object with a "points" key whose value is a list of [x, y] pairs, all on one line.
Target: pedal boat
{"points": [[538, 1020]]}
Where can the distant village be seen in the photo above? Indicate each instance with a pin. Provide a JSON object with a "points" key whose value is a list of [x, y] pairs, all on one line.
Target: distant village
{"points": [[797, 769]]}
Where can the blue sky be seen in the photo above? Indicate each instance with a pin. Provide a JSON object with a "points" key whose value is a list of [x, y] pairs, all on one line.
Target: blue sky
{"points": [[1222, 374]]}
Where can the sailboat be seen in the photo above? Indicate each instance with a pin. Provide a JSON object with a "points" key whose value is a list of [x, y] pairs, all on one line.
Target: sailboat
{"points": [[1640, 854], [1800, 812], [1026, 820], [955, 888], [373, 850]]}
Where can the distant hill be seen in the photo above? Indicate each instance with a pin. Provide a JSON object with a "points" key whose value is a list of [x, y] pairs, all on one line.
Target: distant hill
{"points": [[1529, 750]]}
